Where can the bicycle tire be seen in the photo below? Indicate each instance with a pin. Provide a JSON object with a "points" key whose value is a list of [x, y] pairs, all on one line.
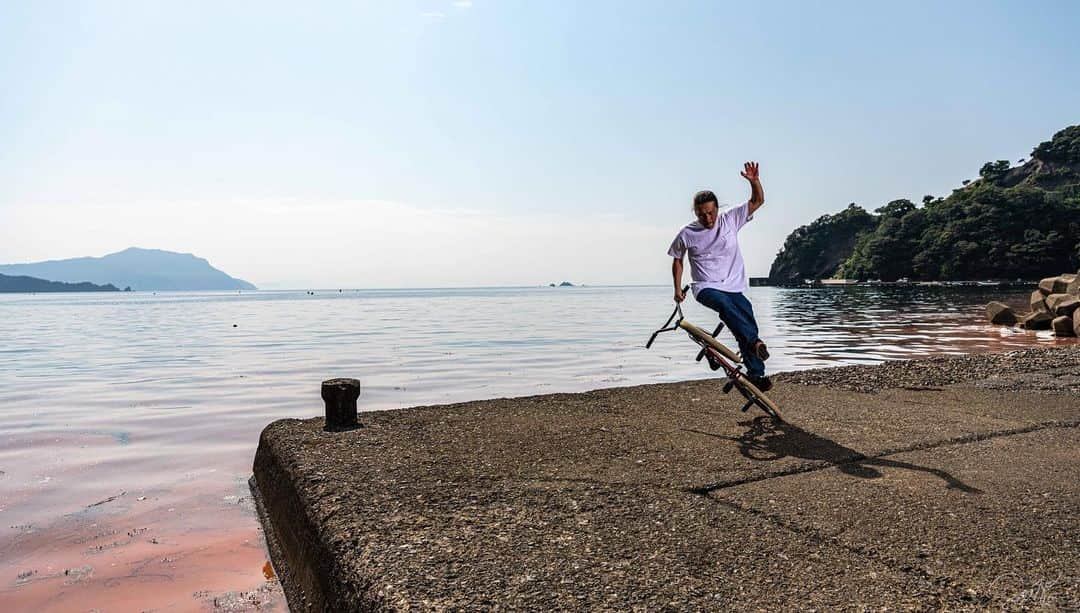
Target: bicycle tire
{"points": [[751, 392]]}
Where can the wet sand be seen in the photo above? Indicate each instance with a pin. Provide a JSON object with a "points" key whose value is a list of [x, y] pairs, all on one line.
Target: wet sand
{"points": [[179, 534], [184, 550]]}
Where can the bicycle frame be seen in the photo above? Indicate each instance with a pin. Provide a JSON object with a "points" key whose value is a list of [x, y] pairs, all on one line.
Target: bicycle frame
{"points": [[727, 359]]}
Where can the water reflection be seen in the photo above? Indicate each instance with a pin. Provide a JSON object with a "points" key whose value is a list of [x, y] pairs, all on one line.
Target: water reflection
{"points": [[820, 327]]}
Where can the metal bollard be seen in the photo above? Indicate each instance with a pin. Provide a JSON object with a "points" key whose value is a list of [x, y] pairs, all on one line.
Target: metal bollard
{"points": [[340, 396]]}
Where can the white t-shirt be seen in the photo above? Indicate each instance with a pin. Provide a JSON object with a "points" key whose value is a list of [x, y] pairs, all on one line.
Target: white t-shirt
{"points": [[715, 259]]}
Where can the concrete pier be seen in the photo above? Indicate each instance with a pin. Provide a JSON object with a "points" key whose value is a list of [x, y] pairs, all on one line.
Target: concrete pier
{"points": [[943, 484]]}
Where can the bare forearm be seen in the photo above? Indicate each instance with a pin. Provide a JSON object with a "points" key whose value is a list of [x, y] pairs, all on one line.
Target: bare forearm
{"points": [[757, 195], [676, 276]]}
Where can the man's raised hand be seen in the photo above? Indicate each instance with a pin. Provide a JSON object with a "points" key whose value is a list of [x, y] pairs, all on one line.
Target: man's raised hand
{"points": [[750, 171], [757, 193]]}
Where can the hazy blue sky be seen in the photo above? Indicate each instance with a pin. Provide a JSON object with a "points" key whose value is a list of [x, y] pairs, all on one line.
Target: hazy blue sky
{"points": [[497, 142]]}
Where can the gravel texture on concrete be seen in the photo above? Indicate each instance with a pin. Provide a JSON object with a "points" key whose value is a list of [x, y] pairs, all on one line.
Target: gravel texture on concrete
{"points": [[1009, 370], [996, 518], [936, 491]]}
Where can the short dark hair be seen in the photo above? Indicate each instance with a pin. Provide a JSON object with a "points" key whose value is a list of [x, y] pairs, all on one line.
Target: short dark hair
{"points": [[704, 197]]}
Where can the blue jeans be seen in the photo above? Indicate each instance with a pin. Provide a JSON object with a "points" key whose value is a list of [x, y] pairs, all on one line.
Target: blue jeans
{"points": [[737, 313]]}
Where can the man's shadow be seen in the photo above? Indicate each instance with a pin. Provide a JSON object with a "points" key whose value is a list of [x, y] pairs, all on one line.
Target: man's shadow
{"points": [[768, 440]]}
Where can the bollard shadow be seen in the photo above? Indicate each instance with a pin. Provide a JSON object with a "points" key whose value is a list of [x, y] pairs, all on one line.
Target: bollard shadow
{"points": [[767, 440], [347, 428]]}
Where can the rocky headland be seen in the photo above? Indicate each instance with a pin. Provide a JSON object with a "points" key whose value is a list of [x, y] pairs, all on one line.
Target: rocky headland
{"points": [[1015, 221]]}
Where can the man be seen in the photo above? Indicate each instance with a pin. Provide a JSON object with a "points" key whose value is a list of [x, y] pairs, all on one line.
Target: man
{"points": [[718, 272]]}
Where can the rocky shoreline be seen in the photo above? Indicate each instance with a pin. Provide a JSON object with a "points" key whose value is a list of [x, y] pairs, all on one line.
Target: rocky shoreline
{"points": [[1055, 305], [1009, 370]]}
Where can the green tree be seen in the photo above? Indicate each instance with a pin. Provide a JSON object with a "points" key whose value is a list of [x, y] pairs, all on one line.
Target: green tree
{"points": [[1064, 148], [816, 250], [895, 209], [994, 171], [1027, 226]]}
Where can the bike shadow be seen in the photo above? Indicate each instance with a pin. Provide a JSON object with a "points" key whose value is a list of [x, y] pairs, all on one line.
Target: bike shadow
{"points": [[767, 440]]}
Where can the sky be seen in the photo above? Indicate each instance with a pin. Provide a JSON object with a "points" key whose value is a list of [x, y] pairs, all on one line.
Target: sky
{"points": [[487, 142]]}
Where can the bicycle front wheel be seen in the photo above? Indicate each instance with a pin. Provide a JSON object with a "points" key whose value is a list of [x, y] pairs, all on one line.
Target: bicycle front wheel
{"points": [[751, 392]]}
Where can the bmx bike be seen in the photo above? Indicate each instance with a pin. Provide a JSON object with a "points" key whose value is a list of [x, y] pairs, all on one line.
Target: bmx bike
{"points": [[720, 357]]}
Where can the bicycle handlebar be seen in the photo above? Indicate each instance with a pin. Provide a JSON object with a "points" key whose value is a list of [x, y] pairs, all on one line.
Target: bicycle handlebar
{"points": [[667, 327]]}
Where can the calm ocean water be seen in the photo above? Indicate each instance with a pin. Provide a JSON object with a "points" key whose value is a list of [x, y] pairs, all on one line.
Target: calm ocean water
{"points": [[130, 420]]}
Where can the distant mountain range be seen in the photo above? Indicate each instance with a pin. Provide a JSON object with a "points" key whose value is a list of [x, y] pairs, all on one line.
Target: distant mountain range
{"points": [[10, 284], [139, 269]]}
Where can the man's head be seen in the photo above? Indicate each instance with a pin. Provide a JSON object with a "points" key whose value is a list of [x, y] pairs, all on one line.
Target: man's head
{"points": [[705, 208]]}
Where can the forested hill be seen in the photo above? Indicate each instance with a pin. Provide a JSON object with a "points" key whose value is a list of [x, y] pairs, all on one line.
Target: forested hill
{"points": [[9, 284], [1012, 222]]}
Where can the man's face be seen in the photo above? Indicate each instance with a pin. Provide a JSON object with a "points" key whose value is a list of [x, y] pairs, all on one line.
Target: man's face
{"points": [[706, 214]]}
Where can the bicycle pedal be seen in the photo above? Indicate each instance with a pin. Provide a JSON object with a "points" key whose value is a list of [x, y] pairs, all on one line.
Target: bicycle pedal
{"points": [[714, 363], [728, 386]]}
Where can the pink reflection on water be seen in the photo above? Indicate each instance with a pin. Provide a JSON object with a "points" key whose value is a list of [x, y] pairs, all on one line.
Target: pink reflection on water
{"points": [[98, 532], [130, 422]]}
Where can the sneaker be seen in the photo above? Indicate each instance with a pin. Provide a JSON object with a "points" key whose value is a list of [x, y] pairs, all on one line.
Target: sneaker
{"points": [[761, 350], [763, 383]]}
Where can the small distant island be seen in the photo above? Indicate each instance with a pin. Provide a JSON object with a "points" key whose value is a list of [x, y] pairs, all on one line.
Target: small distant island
{"points": [[139, 269], [1013, 222], [20, 284], [563, 284]]}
